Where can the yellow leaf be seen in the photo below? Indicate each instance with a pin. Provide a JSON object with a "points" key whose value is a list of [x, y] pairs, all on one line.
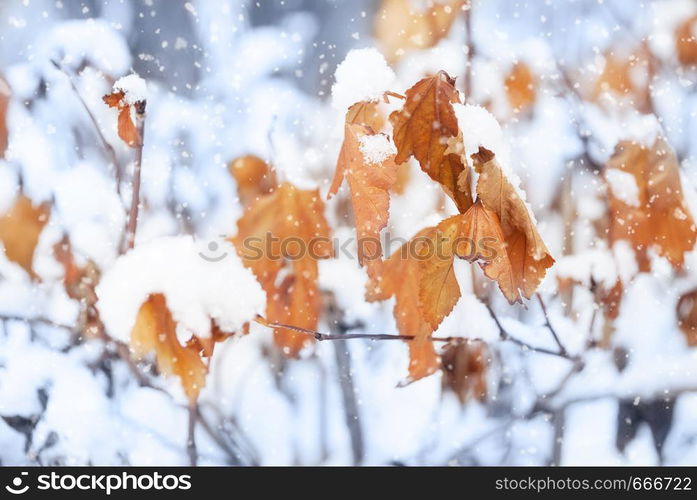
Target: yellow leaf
{"points": [[20, 228]]}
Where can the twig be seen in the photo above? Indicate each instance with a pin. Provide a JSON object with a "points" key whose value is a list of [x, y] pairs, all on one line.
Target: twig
{"points": [[562, 349], [558, 421], [130, 235], [107, 147], [470, 51], [191, 434], [507, 336], [382, 336], [38, 319]]}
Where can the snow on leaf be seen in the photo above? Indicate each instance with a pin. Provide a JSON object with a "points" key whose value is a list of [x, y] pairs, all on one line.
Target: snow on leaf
{"points": [[660, 219], [156, 331], [370, 180], [128, 97], [363, 75]]}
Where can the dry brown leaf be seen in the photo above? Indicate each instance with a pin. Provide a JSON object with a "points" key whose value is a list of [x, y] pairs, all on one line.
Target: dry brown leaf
{"points": [[686, 311], [286, 231], [686, 42], [527, 253], [661, 220], [482, 230], [423, 127], [20, 228], [400, 27], [156, 331], [5, 94], [127, 129], [402, 277], [366, 113], [403, 178], [79, 284], [520, 87], [465, 367], [254, 177], [438, 288], [627, 74], [370, 185]]}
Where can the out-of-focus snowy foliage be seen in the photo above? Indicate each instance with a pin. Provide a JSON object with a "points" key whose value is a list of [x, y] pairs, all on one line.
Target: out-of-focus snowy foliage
{"points": [[232, 77]]}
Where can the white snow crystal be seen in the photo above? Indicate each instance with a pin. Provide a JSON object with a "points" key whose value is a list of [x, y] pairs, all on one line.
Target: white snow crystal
{"points": [[623, 186], [133, 87], [376, 148], [363, 75], [200, 283]]}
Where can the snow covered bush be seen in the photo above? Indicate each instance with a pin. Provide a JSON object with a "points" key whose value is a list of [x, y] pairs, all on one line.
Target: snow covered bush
{"points": [[375, 232]]}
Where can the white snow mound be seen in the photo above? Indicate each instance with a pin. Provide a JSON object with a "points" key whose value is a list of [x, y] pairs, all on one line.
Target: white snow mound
{"points": [[363, 75], [199, 282]]}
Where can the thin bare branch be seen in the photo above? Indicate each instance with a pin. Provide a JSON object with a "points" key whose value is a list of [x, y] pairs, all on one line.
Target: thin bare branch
{"points": [[469, 43], [562, 349], [130, 235], [383, 336], [191, 434], [118, 171]]}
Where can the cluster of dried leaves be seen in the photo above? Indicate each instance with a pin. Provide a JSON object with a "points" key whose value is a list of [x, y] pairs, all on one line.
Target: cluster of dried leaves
{"points": [[422, 280]]}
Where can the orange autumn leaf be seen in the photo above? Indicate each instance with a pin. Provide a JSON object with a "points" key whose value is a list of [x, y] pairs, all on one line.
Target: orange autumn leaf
{"points": [[686, 42], [465, 367], [128, 131], [401, 278], [401, 26], [660, 219], [527, 253], [156, 331], [627, 75], [20, 228], [79, 284], [366, 113], [686, 312], [422, 129], [62, 251], [370, 181], [286, 232], [254, 177], [438, 288], [403, 177], [474, 236], [520, 87]]}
